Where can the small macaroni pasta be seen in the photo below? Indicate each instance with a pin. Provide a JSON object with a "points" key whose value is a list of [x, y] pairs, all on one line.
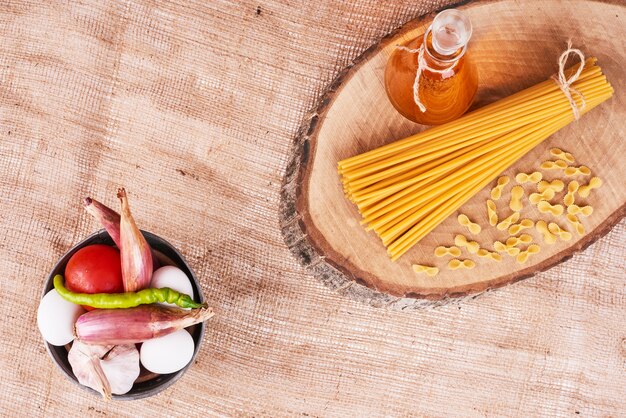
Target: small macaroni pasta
{"points": [[578, 210], [548, 237], [594, 183], [517, 228], [457, 264], [580, 229], [496, 192], [517, 193], [442, 251], [562, 155], [574, 171], [554, 165], [492, 214], [535, 177], [472, 227], [461, 241], [547, 194], [428, 270], [505, 223], [560, 232], [515, 241], [572, 188], [503, 248], [546, 207], [489, 254], [556, 185], [522, 257]]}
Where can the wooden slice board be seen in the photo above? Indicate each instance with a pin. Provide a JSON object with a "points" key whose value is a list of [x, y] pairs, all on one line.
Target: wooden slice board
{"points": [[515, 45]]}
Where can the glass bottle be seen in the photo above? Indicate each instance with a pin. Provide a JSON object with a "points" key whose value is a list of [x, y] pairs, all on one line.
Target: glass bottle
{"points": [[447, 79]]}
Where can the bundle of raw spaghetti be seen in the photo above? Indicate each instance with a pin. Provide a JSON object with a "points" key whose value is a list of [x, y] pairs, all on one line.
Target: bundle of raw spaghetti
{"points": [[405, 189]]}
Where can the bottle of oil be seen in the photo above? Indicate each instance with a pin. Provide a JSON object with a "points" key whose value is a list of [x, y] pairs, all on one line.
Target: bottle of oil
{"points": [[431, 80]]}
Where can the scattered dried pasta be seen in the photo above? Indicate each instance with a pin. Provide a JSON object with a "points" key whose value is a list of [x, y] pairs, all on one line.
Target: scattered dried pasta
{"points": [[515, 241], [456, 264], [429, 270], [506, 222], [548, 236], [573, 171], [554, 165], [562, 155], [496, 192], [580, 229], [442, 251], [546, 207], [556, 185], [492, 214], [522, 257], [594, 183], [461, 241], [503, 248], [559, 232], [572, 188], [547, 194], [517, 193], [535, 177], [551, 232], [473, 227], [517, 228], [578, 210], [492, 255]]}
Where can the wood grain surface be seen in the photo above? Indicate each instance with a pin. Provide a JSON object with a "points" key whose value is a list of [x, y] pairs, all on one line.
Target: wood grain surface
{"points": [[194, 107], [356, 116]]}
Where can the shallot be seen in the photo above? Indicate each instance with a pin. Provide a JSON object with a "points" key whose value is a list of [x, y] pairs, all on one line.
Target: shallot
{"points": [[135, 325], [108, 218], [137, 265]]}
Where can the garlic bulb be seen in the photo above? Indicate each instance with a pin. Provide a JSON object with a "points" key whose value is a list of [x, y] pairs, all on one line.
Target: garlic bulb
{"points": [[105, 368]]}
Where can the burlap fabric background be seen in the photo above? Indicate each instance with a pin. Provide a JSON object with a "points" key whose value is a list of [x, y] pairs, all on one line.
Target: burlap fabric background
{"points": [[193, 106]]}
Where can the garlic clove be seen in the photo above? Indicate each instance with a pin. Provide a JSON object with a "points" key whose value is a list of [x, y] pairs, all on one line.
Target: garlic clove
{"points": [[86, 366], [121, 366]]}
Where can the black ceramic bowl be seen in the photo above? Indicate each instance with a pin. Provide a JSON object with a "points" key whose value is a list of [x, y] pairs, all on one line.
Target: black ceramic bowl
{"points": [[167, 255]]}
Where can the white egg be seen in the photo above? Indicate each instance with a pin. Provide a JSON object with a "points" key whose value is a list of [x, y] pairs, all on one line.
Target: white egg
{"points": [[167, 354], [174, 278], [56, 318]]}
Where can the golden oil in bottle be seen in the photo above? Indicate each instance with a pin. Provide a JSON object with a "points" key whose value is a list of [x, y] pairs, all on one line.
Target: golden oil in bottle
{"points": [[447, 78]]}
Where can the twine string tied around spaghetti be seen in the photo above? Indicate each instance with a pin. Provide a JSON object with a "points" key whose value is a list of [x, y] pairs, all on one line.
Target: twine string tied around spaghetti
{"points": [[565, 84]]}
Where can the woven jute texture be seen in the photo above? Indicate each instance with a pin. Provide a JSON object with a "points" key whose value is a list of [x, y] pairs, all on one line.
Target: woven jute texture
{"points": [[193, 107]]}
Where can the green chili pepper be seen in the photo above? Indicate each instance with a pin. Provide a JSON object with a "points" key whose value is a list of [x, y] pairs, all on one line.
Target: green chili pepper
{"points": [[125, 300]]}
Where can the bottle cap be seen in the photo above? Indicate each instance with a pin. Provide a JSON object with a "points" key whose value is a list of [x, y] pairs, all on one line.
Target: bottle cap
{"points": [[451, 31]]}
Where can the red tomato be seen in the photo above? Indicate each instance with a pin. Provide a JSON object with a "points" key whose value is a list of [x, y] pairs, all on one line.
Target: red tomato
{"points": [[95, 269]]}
